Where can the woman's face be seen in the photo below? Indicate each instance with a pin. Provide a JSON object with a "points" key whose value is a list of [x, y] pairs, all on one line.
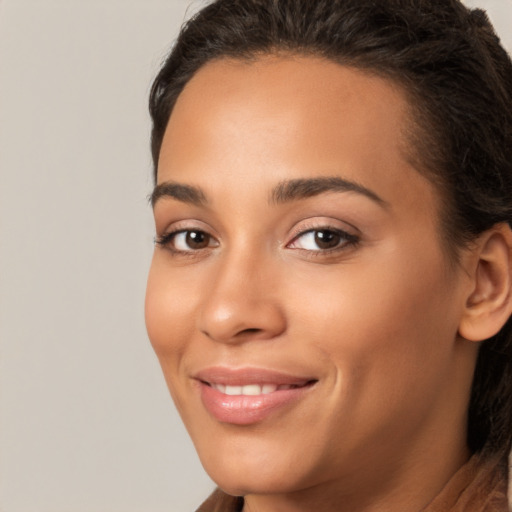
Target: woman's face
{"points": [[299, 300]]}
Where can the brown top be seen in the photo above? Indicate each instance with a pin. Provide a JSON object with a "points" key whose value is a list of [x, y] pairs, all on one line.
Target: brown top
{"points": [[479, 486]]}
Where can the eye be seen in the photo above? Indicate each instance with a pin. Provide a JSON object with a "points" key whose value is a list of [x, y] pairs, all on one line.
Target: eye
{"points": [[322, 240], [187, 240]]}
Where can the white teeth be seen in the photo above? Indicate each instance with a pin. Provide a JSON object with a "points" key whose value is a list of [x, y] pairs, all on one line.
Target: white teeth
{"points": [[233, 390], [251, 389], [266, 389]]}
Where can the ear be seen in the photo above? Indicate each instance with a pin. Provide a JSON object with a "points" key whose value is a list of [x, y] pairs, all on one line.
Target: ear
{"points": [[489, 304]]}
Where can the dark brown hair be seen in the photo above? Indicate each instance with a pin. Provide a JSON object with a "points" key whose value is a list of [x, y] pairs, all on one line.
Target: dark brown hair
{"points": [[458, 79]]}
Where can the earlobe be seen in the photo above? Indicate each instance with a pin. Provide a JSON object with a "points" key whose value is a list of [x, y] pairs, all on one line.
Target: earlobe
{"points": [[489, 304]]}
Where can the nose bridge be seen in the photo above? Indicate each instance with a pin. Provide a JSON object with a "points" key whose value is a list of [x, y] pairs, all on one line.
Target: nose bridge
{"points": [[241, 302]]}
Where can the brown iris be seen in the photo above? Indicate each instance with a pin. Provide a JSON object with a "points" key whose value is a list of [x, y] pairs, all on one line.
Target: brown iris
{"points": [[197, 239], [326, 239]]}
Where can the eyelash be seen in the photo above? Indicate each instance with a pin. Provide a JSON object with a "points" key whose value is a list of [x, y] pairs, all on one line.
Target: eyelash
{"points": [[166, 241], [347, 240]]}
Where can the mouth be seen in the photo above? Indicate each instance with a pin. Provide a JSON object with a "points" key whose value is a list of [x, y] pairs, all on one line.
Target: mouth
{"points": [[248, 396], [255, 389]]}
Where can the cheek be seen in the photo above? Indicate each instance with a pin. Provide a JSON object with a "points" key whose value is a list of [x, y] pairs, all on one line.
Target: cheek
{"points": [[168, 313], [169, 308], [387, 327]]}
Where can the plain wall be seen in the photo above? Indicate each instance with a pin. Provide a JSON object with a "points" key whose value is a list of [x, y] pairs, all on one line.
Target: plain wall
{"points": [[86, 423]]}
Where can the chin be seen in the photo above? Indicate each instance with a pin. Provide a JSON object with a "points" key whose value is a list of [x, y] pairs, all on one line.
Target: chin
{"points": [[242, 468], [254, 482]]}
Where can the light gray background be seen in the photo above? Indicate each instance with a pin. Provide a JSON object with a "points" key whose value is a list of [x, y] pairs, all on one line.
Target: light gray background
{"points": [[86, 424]]}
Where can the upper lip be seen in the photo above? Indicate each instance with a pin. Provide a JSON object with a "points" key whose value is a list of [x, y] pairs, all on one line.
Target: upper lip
{"points": [[249, 375]]}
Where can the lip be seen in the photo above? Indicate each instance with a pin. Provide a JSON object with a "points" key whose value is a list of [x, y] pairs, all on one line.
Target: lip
{"points": [[249, 409]]}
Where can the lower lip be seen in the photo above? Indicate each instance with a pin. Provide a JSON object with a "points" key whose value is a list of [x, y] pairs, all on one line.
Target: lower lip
{"points": [[245, 409]]}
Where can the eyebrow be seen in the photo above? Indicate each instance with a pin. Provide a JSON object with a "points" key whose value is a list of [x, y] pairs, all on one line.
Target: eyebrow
{"points": [[293, 190], [284, 192], [180, 192]]}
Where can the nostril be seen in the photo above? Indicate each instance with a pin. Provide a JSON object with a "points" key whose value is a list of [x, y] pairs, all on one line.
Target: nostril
{"points": [[240, 321], [249, 331]]}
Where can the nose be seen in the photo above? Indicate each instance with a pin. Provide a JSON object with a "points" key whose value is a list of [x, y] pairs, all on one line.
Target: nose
{"points": [[242, 303]]}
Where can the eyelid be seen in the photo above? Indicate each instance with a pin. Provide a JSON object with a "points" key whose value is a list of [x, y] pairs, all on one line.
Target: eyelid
{"points": [[323, 223], [183, 226], [187, 224], [348, 237]]}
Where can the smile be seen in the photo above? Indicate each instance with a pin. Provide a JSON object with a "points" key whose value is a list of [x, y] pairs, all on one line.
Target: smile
{"points": [[248, 396], [253, 389]]}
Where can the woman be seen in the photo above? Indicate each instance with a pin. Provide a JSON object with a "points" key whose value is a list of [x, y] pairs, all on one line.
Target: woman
{"points": [[331, 285]]}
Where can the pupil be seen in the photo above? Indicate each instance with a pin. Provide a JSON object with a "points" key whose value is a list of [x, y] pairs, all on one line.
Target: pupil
{"points": [[326, 239], [197, 239]]}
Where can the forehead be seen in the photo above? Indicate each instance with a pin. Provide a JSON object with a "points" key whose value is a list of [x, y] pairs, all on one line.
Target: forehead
{"points": [[290, 101], [249, 123]]}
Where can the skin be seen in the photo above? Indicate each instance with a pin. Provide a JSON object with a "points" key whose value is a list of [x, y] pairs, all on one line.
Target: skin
{"points": [[376, 322]]}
